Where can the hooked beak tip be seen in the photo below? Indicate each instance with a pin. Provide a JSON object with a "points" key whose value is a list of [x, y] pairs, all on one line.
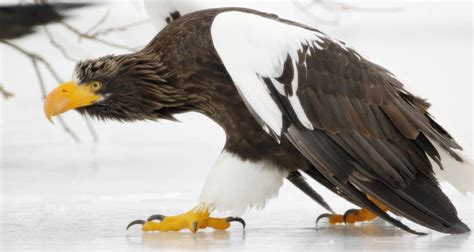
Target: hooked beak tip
{"points": [[50, 119]]}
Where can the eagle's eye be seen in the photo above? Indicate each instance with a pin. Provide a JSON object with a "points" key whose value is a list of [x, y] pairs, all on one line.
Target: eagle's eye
{"points": [[96, 86]]}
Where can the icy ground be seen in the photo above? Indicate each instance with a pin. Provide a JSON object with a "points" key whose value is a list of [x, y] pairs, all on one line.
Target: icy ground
{"points": [[84, 201], [60, 195], [69, 197]]}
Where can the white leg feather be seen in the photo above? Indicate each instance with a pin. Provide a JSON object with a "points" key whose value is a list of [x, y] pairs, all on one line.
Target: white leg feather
{"points": [[234, 185]]}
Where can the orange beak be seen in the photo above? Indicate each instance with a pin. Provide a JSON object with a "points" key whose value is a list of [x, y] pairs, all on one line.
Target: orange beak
{"points": [[68, 96]]}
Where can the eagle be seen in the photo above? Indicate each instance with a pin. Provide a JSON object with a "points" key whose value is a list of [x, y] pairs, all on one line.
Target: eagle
{"points": [[292, 101]]}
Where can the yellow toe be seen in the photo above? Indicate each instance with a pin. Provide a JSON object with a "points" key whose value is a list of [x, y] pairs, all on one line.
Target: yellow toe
{"points": [[354, 216], [193, 220], [218, 223]]}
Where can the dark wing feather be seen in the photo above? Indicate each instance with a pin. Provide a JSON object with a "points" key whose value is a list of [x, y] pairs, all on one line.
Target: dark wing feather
{"points": [[370, 136], [299, 181], [362, 131], [315, 148]]}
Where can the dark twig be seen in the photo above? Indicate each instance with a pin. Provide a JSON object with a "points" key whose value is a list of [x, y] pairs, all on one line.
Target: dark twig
{"points": [[94, 35], [91, 129], [67, 129], [58, 46], [39, 77], [35, 59], [119, 28], [43, 92], [99, 23], [104, 32], [95, 38]]}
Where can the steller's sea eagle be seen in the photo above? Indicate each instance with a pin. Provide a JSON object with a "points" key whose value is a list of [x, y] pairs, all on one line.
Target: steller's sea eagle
{"points": [[290, 99]]}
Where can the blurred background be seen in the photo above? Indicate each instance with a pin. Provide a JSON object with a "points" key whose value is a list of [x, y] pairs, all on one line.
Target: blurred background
{"points": [[76, 184]]}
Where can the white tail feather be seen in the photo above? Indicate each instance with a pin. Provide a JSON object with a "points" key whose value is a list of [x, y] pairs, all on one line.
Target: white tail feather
{"points": [[458, 174]]}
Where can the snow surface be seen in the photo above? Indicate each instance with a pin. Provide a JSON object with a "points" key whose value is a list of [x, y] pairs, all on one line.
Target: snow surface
{"points": [[60, 195]]}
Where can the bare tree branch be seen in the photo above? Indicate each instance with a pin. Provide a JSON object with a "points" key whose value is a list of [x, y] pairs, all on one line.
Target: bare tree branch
{"points": [[58, 46], [35, 59], [39, 77], [68, 130], [5, 93], [120, 28], [95, 38], [91, 129], [99, 23]]}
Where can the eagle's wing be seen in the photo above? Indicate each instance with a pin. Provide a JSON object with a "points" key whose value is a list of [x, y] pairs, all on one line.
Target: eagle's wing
{"points": [[351, 118]]}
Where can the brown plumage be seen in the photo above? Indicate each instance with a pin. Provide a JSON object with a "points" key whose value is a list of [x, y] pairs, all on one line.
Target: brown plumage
{"points": [[370, 136]]}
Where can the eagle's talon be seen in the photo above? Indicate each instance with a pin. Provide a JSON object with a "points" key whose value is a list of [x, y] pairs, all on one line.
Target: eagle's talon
{"points": [[236, 219], [136, 222], [322, 216], [195, 227], [156, 217]]}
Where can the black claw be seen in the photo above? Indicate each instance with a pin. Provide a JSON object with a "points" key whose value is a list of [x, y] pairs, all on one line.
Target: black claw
{"points": [[236, 219], [195, 227], [136, 222], [348, 212], [322, 216], [156, 217]]}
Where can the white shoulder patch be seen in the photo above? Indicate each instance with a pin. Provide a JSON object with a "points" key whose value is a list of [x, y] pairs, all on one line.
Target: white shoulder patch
{"points": [[253, 47], [235, 186]]}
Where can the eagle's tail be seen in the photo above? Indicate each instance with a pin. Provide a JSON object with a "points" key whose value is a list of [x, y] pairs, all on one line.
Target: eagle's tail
{"points": [[422, 202], [458, 173]]}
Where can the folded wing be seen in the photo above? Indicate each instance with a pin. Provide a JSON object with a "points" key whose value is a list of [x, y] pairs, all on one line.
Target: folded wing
{"points": [[350, 118]]}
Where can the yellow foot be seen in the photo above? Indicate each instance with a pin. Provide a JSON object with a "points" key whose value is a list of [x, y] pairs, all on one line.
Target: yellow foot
{"points": [[353, 215], [192, 220]]}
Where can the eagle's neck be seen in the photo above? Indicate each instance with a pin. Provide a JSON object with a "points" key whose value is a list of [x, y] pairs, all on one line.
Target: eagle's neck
{"points": [[199, 72]]}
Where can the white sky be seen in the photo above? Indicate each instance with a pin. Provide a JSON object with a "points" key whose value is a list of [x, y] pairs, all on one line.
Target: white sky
{"points": [[46, 176]]}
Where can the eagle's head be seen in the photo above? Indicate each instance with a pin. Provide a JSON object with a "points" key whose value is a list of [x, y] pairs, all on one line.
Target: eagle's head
{"points": [[126, 88]]}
